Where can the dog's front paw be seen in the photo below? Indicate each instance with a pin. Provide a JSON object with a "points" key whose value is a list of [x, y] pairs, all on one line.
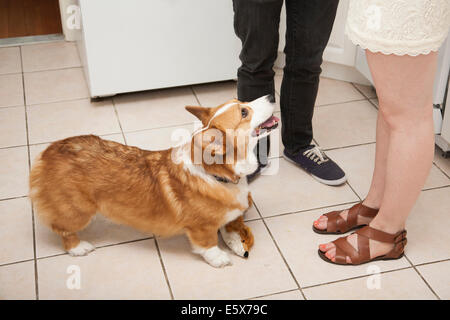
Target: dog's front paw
{"points": [[216, 257], [82, 249], [234, 242]]}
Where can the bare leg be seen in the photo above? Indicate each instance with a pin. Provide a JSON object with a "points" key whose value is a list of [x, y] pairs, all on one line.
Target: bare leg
{"points": [[376, 191], [404, 86]]}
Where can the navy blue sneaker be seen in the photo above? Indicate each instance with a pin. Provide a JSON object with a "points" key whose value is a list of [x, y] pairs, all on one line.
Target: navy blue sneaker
{"points": [[314, 161]]}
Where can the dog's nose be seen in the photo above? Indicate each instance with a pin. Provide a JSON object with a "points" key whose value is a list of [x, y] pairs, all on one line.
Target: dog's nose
{"points": [[271, 98], [246, 254]]}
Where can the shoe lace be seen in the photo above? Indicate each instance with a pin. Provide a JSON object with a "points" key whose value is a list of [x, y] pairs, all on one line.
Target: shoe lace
{"points": [[316, 154]]}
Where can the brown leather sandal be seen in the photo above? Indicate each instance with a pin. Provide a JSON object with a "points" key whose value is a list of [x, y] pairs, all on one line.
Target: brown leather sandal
{"points": [[338, 225], [344, 249]]}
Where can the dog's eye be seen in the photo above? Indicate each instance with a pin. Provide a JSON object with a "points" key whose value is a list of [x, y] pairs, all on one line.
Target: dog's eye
{"points": [[244, 112], [243, 240]]}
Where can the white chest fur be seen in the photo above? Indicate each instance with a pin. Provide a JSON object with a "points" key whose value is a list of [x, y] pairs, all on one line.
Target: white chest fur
{"points": [[241, 198]]}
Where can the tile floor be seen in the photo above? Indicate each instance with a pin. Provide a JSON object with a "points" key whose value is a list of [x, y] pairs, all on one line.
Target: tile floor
{"points": [[43, 97]]}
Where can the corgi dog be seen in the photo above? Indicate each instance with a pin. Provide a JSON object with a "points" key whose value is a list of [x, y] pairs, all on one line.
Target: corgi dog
{"points": [[197, 188]]}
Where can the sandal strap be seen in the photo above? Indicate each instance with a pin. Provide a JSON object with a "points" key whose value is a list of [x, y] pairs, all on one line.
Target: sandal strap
{"points": [[336, 223], [344, 249]]}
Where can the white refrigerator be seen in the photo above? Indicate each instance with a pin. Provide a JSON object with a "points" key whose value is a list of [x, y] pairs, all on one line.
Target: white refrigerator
{"points": [[137, 45]]}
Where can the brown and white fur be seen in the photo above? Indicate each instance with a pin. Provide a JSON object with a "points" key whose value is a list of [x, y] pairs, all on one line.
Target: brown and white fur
{"points": [[163, 192]]}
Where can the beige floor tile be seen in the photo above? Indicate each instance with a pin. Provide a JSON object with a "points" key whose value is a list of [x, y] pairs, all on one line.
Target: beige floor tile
{"points": [[292, 189], [441, 162], [100, 232], [368, 91], [358, 164], [54, 86], [117, 137], [13, 172], [17, 281], [278, 71], [330, 91], [162, 138], [155, 109], [251, 214], [11, 90], [16, 230], [335, 91], [299, 245], [214, 94], [428, 225], [191, 277], [127, 271], [10, 58], [50, 56], [290, 295], [50, 122], [438, 277], [396, 285], [278, 80], [12, 127], [345, 124]]}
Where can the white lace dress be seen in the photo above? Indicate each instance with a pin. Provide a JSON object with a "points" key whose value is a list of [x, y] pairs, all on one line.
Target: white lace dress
{"points": [[400, 27]]}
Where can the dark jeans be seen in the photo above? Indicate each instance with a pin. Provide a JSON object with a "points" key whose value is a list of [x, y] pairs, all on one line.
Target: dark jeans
{"points": [[309, 24]]}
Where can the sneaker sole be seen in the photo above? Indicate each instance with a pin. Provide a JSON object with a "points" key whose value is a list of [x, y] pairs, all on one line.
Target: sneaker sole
{"points": [[337, 182]]}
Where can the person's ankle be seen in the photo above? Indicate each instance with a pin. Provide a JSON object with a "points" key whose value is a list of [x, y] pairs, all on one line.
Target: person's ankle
{"points": [[372, 203], [386, 226]]}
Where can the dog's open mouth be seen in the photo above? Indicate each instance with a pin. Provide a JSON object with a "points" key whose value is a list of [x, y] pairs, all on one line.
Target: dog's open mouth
{"points": [[266, 126]]}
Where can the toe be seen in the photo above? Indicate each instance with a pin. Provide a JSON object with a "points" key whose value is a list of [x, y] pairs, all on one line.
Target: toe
{"points": [[321, 223], [330, 254], [326, 246]]}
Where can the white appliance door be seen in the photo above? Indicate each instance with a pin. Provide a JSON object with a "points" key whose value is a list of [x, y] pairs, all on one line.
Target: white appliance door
{"points": [[138, 45]]}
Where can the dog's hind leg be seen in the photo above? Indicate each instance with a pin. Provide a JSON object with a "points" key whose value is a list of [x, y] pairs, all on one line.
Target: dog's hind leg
{"points": [[204, 243], [74, 246], [67, 227]]}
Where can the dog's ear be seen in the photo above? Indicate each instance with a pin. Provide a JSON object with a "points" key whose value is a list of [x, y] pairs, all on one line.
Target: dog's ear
{"points": [[201, 113]]}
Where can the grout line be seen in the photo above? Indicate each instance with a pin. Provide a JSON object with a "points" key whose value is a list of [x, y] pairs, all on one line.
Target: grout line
{"points": [[97, 247], [423, 279], [272, 294], [118, 120], [353, 278], [431, 262], [53, 69], [58, 101], [36, 277], [441, 170], [348, 183], [10, 107], [15, 262], [436, 188], [195, 95], [164, 269], [12, 147], [13, 198], [281, 254], [307, 210], [339, 103], [164, 127], [350, 146]]}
